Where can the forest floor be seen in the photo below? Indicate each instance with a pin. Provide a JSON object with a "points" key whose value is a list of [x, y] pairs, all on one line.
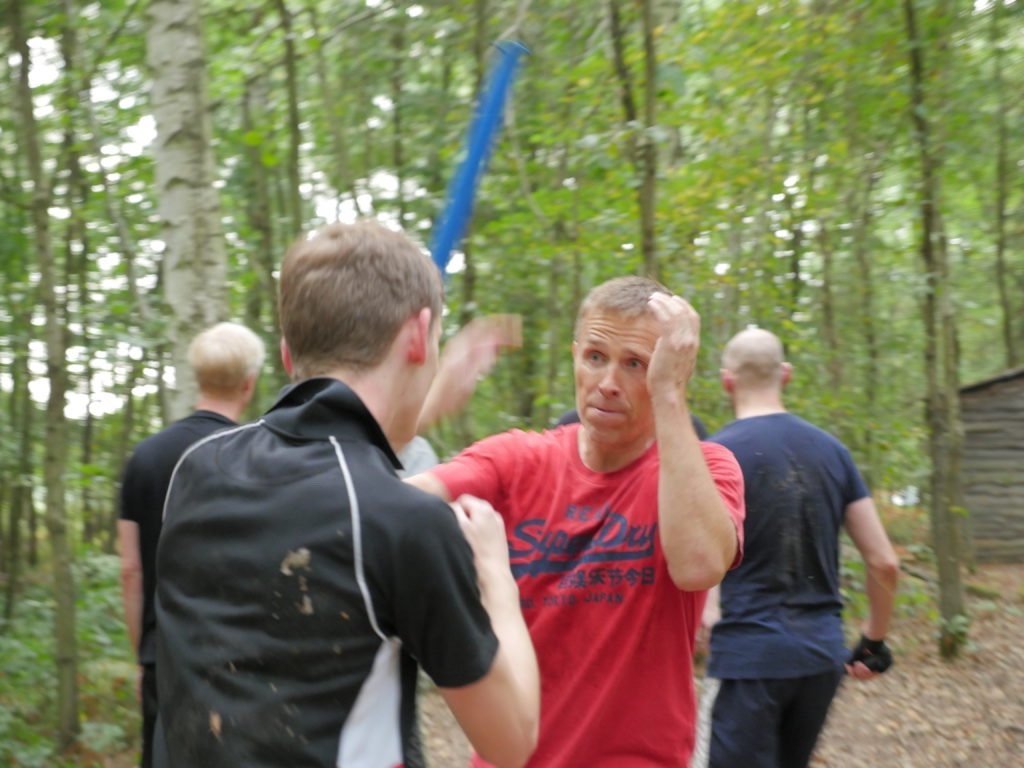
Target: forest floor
{"points": [[923, 713]]}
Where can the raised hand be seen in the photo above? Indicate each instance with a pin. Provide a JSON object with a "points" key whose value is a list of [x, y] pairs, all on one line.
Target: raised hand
{"points": [[468, 356], [675, 354]]}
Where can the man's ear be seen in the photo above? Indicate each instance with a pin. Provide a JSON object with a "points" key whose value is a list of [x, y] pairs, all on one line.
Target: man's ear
{"points": [[249, 387], [728, 380], [286, 357], [419, 340], [787, 373], [250, 382]]}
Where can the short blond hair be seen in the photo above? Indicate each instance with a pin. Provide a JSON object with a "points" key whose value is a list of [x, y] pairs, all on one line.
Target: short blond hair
{"points": [[223, 357], [626, 296]]}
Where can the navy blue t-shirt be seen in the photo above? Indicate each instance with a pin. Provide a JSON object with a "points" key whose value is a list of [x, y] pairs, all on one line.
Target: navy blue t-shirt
{"points": [[781, 606]]}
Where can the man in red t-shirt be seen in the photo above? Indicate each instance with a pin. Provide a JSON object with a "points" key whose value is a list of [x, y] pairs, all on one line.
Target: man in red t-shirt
{"points": [[616, 528]]}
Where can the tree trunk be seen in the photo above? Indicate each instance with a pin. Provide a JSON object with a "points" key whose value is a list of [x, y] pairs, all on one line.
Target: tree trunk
{"points": [[766, 306], [77, 257], [340, 169], [642, 153], [295, 207], [90, 522], [6, 489], [13, 545], [1002, 187], [55, 461], [829, 331], [942, 403], [559, 318], [21, 490], [872, 373], [648, 189], [259, 210], [461, 424], [398, 54], [435, 171], [629, 112], [194, 263], [468, 302]]}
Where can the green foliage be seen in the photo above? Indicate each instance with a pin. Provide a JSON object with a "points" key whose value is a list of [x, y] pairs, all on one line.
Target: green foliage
{"points": [[983, 591], [106, 671], [954, 632], [103, 738], [921, 552], [784, 151], [786, 197], [906, 525], [914, 598]]}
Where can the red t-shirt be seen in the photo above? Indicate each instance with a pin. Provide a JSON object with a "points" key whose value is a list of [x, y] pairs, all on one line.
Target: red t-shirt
{"points": [[613, 634]]}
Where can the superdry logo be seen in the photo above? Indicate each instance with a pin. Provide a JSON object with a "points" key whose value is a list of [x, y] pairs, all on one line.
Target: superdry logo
{"points": [[534, 549]]}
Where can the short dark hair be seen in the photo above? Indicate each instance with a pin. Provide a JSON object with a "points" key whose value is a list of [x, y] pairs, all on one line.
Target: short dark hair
{"points": [[345, 292]]}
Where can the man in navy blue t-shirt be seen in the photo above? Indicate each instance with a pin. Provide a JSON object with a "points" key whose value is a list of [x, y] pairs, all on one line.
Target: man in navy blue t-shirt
{"points": [[777, 650]]}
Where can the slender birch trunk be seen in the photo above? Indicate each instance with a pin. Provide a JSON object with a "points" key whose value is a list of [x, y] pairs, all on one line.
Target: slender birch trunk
{"points": [[194, 261]]}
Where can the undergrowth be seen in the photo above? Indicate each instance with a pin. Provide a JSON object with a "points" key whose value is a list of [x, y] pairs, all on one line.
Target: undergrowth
{"points": [[110, 720]]}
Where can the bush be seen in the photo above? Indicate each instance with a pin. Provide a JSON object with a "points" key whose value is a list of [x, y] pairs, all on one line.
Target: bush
{"points": [[106, 670]]}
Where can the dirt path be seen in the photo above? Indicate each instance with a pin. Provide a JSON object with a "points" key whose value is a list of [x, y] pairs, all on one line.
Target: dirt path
{"points": [[927, 713], [924, 713]]}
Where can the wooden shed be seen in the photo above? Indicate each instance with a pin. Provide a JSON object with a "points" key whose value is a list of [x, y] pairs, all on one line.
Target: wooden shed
{"points": [[993, 465]]}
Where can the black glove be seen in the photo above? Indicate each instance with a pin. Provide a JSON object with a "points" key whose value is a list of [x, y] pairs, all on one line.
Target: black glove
{"points": [[874, 654]]}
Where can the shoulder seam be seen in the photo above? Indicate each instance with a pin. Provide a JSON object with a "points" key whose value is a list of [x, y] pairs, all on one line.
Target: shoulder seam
{"points": [[203, 441]]}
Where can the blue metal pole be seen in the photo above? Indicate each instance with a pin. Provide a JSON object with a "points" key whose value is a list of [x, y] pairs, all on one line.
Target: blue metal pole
{"points": [[462, 190]]}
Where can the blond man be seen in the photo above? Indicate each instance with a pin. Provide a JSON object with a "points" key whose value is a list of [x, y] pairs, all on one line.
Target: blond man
{"points": [[225, 360]]}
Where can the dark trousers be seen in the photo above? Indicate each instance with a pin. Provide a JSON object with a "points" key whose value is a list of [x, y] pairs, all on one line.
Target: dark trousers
{"points": [[149, 711], [770, 723]]}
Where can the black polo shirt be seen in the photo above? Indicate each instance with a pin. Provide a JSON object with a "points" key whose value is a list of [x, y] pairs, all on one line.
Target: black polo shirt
{"points": [[147, 473], [300, 580]]}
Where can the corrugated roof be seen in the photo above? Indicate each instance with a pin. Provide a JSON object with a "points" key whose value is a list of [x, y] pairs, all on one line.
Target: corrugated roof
{"points": [[1005, 376]]}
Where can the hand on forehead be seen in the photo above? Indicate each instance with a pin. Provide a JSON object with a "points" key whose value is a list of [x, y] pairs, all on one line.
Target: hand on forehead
{"points": [[674, 310], [675, 353], [667, 301]]}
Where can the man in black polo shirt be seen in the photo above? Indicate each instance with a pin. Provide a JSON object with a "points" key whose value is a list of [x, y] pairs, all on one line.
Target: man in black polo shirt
{"points": [[225, 360], [301, 581]]}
